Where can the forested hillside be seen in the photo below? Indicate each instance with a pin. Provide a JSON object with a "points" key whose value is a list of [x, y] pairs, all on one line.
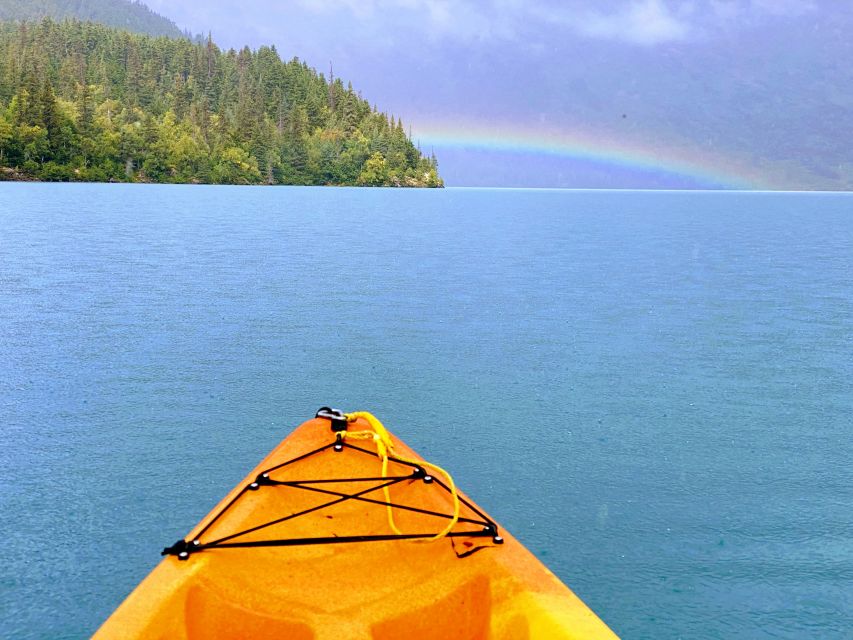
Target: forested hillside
{"points": [[133, 16], [81, 101]]}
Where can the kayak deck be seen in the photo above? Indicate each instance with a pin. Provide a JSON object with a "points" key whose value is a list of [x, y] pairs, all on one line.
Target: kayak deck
{"points": [[307, 547]]}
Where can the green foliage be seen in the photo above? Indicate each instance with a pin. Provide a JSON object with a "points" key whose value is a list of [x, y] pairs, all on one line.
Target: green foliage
{"points": [[375, 172], [80, 101], [236, 167], [7, 133]]}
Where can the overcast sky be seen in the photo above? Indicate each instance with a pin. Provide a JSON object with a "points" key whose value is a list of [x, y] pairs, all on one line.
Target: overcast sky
{"points": [[554, 63]]}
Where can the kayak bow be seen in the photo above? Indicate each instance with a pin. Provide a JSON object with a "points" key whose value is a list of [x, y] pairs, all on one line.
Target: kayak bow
{"points": [[344, 532]]}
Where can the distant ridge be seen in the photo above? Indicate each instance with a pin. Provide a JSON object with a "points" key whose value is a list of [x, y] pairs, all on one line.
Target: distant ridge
{"points": [[123, 14]]}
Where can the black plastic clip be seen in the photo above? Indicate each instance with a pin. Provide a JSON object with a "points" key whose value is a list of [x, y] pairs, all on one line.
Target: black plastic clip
{"points": [[262, 480], [336, 417], [182, 549], [492, 530]]}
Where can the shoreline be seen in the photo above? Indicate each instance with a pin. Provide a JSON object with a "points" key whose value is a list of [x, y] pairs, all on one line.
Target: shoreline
{"points": [[8, 174]]}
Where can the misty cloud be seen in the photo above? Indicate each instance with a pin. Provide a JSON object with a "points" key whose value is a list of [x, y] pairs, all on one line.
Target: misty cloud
{"points": [[388, 24], [644, 22], [636, 22]]}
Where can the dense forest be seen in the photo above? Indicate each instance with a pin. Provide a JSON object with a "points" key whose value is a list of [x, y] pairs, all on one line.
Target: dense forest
{"points": [[133, 16], [81, 101]]}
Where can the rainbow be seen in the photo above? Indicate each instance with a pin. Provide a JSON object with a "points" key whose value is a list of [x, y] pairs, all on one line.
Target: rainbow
{"points": [[706, 168]]}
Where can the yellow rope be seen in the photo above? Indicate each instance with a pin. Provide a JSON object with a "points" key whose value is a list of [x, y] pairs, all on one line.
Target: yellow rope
{"points": [[385, 447]]}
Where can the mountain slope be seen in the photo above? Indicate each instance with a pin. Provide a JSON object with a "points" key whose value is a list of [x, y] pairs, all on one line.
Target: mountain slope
{"points": [[123, 14], [81, 101]]}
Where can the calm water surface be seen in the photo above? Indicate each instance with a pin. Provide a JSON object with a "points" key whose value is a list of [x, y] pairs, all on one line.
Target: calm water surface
{"points": [[651, 390]]}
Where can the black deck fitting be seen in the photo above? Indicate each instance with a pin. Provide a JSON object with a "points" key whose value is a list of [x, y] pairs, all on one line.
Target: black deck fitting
{"points": [[336, 417], [181, 548]]}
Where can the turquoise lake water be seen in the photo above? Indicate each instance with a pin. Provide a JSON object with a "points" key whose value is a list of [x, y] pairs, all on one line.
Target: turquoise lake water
{"points": [[651, 390]]}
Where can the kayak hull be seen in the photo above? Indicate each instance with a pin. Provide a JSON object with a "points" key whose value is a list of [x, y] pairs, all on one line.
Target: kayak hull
{"points": [[479, 582]]}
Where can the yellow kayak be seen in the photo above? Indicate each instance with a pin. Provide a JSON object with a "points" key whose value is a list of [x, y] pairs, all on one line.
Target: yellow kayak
{"points": [[343, 532]]}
